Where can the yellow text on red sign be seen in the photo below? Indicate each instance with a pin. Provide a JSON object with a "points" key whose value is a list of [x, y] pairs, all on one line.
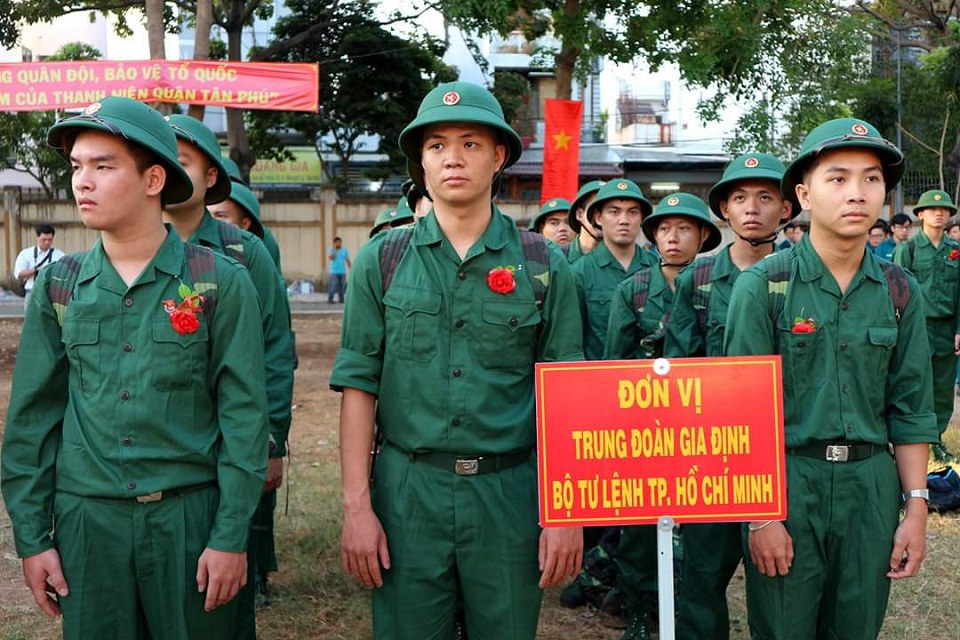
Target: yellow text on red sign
{"points": [[628, 442]]}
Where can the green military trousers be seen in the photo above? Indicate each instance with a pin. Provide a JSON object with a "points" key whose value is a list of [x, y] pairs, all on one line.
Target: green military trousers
{"points": [[132, 568], [711, 553], [842, 517], [447, 534], [261, 560], [637, 563], [940, 335]]}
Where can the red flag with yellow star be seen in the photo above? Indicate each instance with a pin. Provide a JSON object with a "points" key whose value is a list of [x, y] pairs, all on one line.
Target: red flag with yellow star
{"points": [[561, 150]]}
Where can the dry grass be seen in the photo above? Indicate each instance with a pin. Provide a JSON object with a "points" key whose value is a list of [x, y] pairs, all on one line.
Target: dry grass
{"points": [[314, 600]]}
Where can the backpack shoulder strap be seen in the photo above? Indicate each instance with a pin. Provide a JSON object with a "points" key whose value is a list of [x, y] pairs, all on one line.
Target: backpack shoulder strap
{"points": [[899, 286], [641, 288], [537, 259], [62, 281], [778, 277], [203, 272], [232, 240], [702, 288], [391, 252]]}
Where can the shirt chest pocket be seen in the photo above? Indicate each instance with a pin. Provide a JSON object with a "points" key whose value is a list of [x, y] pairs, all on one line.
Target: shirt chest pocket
{"points": [[509, 338], [804, 355], [179, 360], [880, 344], [81, 338], [412, 319]]}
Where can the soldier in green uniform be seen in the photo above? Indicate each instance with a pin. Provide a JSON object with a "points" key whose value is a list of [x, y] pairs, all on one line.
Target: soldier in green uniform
{"points": [[932, 258], [253, 222], [453, 503], [586, 236], [856, 380], [200, 157], [617, 210], [399, 216], [680, 227], [129, 474], [748, 198], [551, 222]]}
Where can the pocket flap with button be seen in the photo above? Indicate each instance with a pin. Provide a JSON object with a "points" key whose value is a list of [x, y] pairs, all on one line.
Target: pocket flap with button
{"points": [[882, 336], [513, 315], [408, 300], [163, 332], [81, 331]]}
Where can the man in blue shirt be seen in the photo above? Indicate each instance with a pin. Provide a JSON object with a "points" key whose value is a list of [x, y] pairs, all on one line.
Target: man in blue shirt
{"points": [[339, 262]]}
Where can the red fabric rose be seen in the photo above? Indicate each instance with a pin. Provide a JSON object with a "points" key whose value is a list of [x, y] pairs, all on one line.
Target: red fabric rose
{"points": [[501, 281], [804, 326], [184, 322], [954, 254]]}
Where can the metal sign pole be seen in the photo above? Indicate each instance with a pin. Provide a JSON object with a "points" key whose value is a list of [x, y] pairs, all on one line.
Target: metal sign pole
{"points": [[665, 577]]}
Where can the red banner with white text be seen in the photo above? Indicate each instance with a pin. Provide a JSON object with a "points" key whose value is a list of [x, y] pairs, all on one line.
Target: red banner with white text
{"points": [[43, 86]]}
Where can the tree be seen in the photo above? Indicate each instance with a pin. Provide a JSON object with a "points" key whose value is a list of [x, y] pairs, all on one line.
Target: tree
{"points": [[371, 82], [23, 135]]}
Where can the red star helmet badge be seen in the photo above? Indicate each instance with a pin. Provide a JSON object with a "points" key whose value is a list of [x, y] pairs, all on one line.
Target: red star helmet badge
{"points": [[552, 204], [674, 201], [622, 186], [860, 130], [92, 109], [937, 197], [750, 163], [451, 98]]}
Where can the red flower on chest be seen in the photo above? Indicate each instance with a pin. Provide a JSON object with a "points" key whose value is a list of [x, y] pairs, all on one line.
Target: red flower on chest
{"points": [[501, 280]]}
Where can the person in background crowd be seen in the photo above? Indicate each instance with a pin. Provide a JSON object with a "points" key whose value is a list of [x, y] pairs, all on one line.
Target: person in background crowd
{"points": [[33, 259]]}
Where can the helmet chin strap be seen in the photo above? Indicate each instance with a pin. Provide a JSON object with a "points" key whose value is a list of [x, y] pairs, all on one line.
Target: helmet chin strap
{"points": [[664, 263], [771, 239]]}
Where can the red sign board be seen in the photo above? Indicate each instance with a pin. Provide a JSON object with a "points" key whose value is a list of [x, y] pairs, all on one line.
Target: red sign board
{"points": [[628, 442], [43, 86]]}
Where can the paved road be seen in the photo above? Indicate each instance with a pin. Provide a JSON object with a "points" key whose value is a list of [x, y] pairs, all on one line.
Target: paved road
{"points": [[299, 305]]}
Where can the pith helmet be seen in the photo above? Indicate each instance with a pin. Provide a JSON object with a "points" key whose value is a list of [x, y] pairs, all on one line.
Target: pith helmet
{"points": [[456, 102], [682, 204], [196, 133], [931, 199], [554, 205], [137, 123], [840, 134], [585, 192], [750, 166], [247, 199], [232, 169], [619, 189], [399, 215]]}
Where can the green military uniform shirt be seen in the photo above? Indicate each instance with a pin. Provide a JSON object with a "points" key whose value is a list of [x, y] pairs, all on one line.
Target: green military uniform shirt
{"points": [[574, 251], [450, 360], [638, 332], [275, 309], [937, 273], [684, 335], [117, 404], [597, 275], [272, 248], [861, 376]]}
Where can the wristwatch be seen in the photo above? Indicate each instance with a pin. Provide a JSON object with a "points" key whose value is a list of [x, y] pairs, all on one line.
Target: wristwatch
{"points": [[917, 493]]}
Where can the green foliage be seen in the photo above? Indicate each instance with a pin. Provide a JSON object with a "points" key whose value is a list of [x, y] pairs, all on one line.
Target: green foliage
{"points": [[513, 91], [371, 81]]}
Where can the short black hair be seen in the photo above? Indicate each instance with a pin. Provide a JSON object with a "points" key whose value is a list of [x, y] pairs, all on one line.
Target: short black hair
{"points": [[794, 224], [951, 225], [880, 224], [45, 228], [901, 219]]}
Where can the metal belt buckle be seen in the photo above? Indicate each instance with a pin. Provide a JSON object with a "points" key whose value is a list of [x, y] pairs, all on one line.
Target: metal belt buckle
{"points": [[156, 496], [837, 452], [467, 467]]}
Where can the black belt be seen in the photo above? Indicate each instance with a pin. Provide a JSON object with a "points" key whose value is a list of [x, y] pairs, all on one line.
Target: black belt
{"points": [[838, 451], [468, 465], [157, 496]]}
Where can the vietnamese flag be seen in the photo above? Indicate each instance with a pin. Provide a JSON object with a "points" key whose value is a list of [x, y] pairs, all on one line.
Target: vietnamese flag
{"points": [[561, 150]]}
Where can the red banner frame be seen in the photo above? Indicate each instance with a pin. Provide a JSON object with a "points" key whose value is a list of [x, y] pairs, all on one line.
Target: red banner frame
{"points": [[43, 86]]}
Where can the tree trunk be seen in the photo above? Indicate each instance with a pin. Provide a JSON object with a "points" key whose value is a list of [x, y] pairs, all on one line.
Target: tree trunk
{"points": [[567, 58], [156, 33], [240, 150], [201, 45]]}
